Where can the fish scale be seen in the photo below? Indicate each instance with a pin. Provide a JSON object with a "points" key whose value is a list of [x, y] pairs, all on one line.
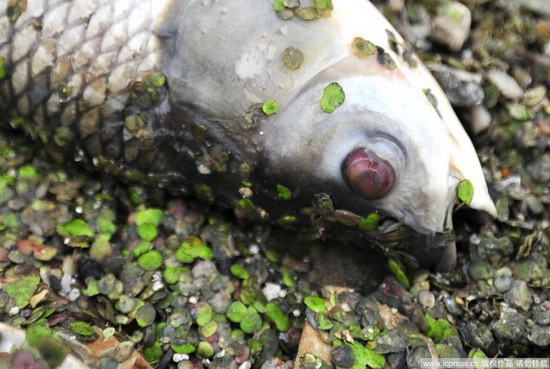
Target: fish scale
{"points": [[171, 94], [78, 77]]}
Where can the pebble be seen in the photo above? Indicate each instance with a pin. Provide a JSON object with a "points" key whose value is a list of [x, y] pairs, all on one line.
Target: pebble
{"points": [[506, 84], [342, 356], [478, 270], [480, 119], [510, 327], [540, 336], [519, 296], [462, 88], [503, 280], [541, 313], [451, 25]]}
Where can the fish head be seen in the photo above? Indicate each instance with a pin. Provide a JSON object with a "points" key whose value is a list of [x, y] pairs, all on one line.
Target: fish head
{"points": [[384, 148]]}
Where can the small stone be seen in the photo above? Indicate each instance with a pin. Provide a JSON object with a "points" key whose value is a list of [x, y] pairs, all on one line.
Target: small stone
{"points": [[479, 270], [510, 327], [541, 313], [123, 351], [427, 299], [462, 88], [506, 84], [342, 356], [480, 119], [519, 296], [451, 25], [503, 280], [540, 336]]}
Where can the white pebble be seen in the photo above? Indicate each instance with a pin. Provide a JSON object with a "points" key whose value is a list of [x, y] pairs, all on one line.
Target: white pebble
{"points": [[179, 357], [480, 119], [14, 310], [506, 84], [272, 291]]}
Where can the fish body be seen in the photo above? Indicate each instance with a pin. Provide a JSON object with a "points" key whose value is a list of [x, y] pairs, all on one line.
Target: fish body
{"points": [[231, 100]]}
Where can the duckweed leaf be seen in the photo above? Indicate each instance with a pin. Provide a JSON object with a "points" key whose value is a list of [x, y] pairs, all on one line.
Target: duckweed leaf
{"points": [[183, 349], [251, 321], [399, 273], [147, 231], [82, 328], [370, 222], [278, 5], [29, 172], [365, 356], [37, 332], [275, 313], [204, 315], [465, 191], [151, 260], [23, 289], [172, 275], [209, 329], [239, 271], [152, 216], [205, 349], [236, 311], [76, 228], [439, 329], [270, 107], [333, 97], [284, 192], [316, 303], [323, 322]]}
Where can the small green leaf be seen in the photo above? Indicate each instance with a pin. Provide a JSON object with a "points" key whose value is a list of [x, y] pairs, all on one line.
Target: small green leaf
{"points": [[370, 222], [236, 311], [251, 321], [92, 289], [284, 192], [279, 5], [172, 274], [29, 172], [183, 349], [316, 303], [82, 328], [109, 332], [204, 349], [275, 313], [367, 357], [465, 191], [239, 271], [153, 216], [23, 289], [270, 107], [147, 231], [151, 260], [333, 97], [209, 329], [37, 332], [323, 322], [399, 273], [204, 315], [77, 228], [439, 329]]}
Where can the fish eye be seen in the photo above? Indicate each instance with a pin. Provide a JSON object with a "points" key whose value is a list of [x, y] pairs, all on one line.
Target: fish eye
{"points": [[367, 174]]}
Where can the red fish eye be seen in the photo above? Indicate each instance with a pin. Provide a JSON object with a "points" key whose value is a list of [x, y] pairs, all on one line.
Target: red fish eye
{"points": [[367, 174]]}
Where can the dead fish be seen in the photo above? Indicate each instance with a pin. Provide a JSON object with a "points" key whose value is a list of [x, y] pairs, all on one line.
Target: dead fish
{"points": [[281, 111]]}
